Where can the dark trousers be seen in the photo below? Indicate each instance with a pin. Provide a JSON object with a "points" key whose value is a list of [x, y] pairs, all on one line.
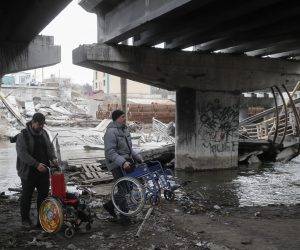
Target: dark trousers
{"points": [[122, 190], [37, 180]]}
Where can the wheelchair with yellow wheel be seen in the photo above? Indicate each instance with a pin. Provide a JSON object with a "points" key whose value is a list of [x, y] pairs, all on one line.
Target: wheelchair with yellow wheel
{"points": [[63, 209]]}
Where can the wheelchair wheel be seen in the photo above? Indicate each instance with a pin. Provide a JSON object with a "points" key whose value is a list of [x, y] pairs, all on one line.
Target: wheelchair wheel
{"points": [[128, 196], [169, 195], [152, 192], [169, 173], [51, 215], [69, 232], [154, 200]]}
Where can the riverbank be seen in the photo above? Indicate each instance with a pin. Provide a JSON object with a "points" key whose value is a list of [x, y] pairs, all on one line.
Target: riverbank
{"points": [[185, 223]]}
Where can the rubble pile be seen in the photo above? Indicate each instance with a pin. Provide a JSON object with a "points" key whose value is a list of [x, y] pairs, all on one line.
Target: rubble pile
{"points": [[58, 112]]}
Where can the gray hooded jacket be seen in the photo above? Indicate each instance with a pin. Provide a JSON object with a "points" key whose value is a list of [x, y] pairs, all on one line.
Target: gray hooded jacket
{"points": [[25, 161], [118, 146]]}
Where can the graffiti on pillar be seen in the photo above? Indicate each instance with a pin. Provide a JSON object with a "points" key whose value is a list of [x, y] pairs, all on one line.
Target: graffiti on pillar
{"points": [[217, 125], [215, 148]]}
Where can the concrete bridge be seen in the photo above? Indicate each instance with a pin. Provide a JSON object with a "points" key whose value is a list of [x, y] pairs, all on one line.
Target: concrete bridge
{"points": [[232, 39], [20, 23]]}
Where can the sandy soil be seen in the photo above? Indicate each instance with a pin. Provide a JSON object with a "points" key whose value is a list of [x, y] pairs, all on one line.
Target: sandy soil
{"points": [[181, 224]]}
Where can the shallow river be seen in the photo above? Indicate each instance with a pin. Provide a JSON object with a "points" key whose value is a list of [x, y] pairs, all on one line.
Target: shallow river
{"points": [[249, 185], [256, 185]]}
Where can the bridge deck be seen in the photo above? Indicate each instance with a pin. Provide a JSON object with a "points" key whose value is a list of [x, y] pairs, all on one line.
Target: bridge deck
{"points": [[257, 28]]}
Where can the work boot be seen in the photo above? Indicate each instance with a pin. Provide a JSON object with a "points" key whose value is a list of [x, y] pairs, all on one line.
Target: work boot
{"points": [[124, 220], [110, 210], [27, 223], [38, 225]]}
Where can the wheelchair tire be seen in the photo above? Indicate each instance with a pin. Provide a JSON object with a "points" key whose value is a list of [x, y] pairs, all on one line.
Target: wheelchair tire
{"points": [[69, 232], [169, 195], [151, 195], [51, 214], [154, 200], [134, 196], [169, 172]]}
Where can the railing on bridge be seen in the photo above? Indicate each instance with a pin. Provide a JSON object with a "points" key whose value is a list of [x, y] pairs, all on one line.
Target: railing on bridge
{"points": [[285, 122], [287, 126]]}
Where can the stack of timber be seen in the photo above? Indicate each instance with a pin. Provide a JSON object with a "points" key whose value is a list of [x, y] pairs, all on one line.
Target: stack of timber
{"points": [[88, 171], [141, 112]]}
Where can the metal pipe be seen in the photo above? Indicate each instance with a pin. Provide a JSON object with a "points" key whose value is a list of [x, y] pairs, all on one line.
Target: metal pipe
{"points": [[277, 116], [293, 93], [285, 111], [296, 116], [145, 219], [256, 117]]}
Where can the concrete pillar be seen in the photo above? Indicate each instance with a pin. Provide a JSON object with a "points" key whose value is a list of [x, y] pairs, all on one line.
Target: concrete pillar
{"points": [[123, 82], [206, 129]]}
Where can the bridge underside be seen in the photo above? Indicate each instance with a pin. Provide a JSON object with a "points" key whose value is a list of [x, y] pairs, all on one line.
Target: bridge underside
{"points": [[257, 28], [20, 23], [231, 38], [41, 52], [177, 69], [208, 92]]}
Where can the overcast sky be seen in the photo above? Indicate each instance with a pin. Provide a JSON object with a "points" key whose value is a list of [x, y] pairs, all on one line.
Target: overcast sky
{"points": [[72, 27]]}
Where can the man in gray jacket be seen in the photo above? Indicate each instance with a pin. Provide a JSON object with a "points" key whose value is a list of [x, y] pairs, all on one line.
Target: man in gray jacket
{"points": [[34, 153], [118, 154]]}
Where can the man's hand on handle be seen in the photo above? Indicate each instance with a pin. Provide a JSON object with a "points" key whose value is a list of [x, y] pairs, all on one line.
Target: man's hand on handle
{"points": [[55, 162], [42, 167], [126, 165]]}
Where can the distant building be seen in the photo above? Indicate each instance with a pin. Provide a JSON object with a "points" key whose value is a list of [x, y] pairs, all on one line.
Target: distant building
{"points": [[110, 85], [8, 80], [20, 78], [98, 81], [54, 81], [64, 84]]}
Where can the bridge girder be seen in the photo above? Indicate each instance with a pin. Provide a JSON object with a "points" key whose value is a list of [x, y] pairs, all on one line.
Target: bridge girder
{"points": [[173, 70]]}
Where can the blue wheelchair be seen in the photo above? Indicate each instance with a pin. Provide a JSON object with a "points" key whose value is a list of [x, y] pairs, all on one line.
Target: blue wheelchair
{"points": [[144, 183]]}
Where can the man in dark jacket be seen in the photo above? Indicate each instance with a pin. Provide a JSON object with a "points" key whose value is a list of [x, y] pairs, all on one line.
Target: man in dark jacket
{"points": [[34, 153], [118, 154]]}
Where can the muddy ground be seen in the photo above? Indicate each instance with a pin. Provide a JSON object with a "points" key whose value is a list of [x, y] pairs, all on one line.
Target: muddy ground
{"points": [[184, 223]]}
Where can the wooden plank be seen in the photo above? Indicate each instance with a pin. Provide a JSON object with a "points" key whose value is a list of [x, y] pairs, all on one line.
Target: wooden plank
{"points": [[90, 168], [83, 176], [98, 169], [98, 180], [89, 175], [78, 167], [95, 175], [93, 166], [86, 169], [99, 175], [74, 174]]}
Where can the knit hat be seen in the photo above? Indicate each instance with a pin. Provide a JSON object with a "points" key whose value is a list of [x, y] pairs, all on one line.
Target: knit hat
{"points": [[116, 114], [39, 117]]}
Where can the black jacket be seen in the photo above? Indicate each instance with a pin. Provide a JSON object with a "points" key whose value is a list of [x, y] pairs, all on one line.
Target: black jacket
{"points": [[25, 148]]}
